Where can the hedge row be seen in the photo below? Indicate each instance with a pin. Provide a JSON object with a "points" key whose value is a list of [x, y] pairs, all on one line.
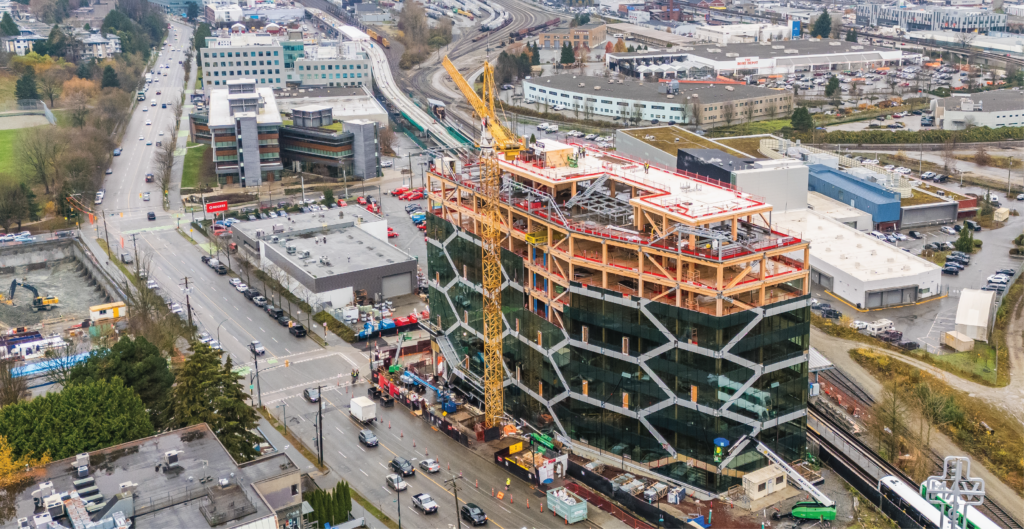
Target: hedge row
{"points": [[343, 331], [975, 135]]}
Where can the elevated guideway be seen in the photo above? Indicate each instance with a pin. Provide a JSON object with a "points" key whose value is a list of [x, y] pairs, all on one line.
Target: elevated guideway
{"points": [[409, 110]]}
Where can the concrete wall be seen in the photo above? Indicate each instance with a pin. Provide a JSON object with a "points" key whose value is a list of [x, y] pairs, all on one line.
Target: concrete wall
{"points": [[21, 258], [783, 184]]}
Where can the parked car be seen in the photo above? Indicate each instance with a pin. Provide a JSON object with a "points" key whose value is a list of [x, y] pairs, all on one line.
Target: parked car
{"points": [[831, 314], [948, 230], [1006, 271], [914, 234], [859, 325], [994, 287], [951, 270], [273, 311], [999, 278], [297, 330]]}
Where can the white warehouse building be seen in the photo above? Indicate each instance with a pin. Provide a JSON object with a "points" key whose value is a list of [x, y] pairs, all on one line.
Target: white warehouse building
{"points": [[999, 108], [736, 33], [858, 268]]}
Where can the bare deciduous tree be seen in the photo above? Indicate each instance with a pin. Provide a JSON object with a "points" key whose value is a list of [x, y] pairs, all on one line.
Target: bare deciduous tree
{"points": [[949, 160], [12, 389], [63, 361], [39, 149], [728, 113], [889, 420], [772, 108], [386, 136]]}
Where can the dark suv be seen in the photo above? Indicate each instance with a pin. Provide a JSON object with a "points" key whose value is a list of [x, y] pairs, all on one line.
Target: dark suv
{"points": [[251, 293], [367, 438], [473, 514], [273, 311], [402, 466], [297, 330]]}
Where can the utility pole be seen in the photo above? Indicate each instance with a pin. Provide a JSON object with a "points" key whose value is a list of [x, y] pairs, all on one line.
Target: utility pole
{"points": [[106, 232], [284, 415], [188, 308], [320, 432], [256, 365], [136, 247], [455, 490], [409, 156]]}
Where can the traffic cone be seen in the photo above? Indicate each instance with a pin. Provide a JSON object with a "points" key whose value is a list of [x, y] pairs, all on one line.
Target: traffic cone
{"points": [[527, 503], [542, 507], [389, 425], [414, 443], [460, 474], [510, 502], [477, 483], [401, 434], [449, 465], [426, 451]]}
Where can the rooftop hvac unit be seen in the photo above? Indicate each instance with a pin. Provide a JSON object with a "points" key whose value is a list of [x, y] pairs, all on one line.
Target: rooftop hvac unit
{"points": [[55, 506], [44, 491], [303, 254], [224, 483], [856, 47], [83, 472], [791, 52], [82, 460], [778, 47], [834, 43], [42, 521], [582, 85], [128, 487], [714, 50], [596, 87], [171, 459], [23, 523], [732, 54]]}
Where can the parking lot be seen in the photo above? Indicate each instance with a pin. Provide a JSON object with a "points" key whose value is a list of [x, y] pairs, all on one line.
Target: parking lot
{"points": [[928, 320]]}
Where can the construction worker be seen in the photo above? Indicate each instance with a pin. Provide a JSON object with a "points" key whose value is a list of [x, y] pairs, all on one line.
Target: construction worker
{"points": [[508, 483]]}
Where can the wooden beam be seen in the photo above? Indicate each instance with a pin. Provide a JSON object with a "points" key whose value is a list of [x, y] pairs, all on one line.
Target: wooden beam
{"points": [[654, 226], [739, 277], [663, 271], [741, 305], [666, 292]]}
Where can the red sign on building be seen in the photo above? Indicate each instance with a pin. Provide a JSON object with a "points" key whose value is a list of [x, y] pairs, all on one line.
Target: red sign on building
{"points": [[217, 207]]}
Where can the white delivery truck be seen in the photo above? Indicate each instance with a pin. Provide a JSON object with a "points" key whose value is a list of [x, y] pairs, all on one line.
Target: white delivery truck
{"points": [[362, 409]]}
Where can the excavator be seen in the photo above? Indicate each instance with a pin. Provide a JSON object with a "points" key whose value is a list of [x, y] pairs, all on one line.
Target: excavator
{"points": [[38, 302]]}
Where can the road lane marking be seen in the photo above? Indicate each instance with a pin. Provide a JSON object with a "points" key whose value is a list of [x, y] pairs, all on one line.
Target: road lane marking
{"points": [[261, 328], [343, 455], [364, 473], [248, 318]]}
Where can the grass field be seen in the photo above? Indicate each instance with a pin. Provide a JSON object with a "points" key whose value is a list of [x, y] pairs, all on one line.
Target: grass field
{"points": [[671, 138], [755, 127], [981, 362], [8, 164], [193, 162]]}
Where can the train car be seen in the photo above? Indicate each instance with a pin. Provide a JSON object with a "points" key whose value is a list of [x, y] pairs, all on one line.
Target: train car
{"points": [[975, 520], [927, 515], [108, 311]]}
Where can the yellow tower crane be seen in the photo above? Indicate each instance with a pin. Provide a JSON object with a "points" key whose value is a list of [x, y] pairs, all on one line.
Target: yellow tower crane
{"points": [[506, 141], [494, 138]]}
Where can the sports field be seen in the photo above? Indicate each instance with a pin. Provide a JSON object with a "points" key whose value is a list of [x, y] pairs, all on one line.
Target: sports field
{"points": [[671, 138]]}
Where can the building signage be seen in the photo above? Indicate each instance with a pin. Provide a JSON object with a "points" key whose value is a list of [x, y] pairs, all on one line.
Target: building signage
{"points": [[795, 25], [746, 62], [217, 207]]}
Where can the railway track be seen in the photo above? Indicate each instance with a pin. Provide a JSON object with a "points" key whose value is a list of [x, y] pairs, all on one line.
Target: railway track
{"points": [[843, 382]]}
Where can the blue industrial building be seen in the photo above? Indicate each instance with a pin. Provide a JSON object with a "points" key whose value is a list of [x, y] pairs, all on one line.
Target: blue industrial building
{"points": [[883, 204]]}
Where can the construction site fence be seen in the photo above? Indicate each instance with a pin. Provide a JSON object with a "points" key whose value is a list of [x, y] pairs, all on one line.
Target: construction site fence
{"points": [[602, 485]]}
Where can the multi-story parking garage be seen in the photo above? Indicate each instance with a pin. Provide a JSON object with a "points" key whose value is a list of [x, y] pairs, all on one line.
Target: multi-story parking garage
{"points": [[647, 312]]}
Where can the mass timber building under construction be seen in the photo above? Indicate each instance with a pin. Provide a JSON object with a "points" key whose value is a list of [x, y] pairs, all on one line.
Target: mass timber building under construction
{"points": [[648, 314]]}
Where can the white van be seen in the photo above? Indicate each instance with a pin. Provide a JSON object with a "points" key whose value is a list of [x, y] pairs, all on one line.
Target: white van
{"points": [[878, 235], [543, 126], [877, 327], [617, 36], [552, 128]]}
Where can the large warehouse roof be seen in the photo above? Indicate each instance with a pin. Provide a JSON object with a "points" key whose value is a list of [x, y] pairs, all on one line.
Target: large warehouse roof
{"points": [[633, 89], [860, 255], [765, 50]]}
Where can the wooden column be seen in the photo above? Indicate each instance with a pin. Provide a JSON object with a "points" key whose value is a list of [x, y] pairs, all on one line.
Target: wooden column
{"points": [[807, 266], [735, 221]]}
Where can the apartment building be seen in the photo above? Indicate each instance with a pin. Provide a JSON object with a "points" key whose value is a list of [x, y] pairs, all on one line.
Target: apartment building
{"points": [[647, 312], [697, 103], [276, 61], [585, 36]]}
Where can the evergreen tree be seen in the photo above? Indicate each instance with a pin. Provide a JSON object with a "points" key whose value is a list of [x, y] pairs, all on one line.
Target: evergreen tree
{"points": [[832, 87], [535, 60], [193, 12], [533, 138], [26, 87], [568, 57], [109, 78], [83, 71], [340, 516], [140, 364], [207, 392], [801, 119], [822, 26], [7, 26], [87, 27], [851, 36], [79, 418], [965, 242], [348, 498], [630, 49], [31, 205]]}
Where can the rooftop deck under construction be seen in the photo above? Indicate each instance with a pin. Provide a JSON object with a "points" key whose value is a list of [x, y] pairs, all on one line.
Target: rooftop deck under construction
{"points": [[602, 219]]}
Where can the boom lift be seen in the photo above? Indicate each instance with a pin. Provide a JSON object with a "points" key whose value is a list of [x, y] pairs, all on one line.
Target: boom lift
{"points": [[820, 508], [39, 303]]}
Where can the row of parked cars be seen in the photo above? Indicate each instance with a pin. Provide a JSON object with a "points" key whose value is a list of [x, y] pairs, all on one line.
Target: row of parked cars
{"points": [[257, 298], [999, 281], [955, 262]]}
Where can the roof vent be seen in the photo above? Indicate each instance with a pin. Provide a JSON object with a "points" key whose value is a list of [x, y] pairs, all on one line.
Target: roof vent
{"points": [[791, 52], [835, 43], [732, 54], [669, 96], [582, 84], [714, 50], [598, 87], [729, 88], [778, 47], [856, 47]]}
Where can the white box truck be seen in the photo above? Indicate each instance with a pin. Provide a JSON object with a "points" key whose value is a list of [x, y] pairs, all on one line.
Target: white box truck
{"points": [[362, 409]]}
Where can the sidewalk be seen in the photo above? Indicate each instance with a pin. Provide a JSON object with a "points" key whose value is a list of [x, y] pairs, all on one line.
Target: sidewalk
{"points": [[324, 481]]}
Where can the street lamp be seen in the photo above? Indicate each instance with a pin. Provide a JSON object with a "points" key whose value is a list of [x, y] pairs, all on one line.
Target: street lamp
{"points": [[218, 330]]}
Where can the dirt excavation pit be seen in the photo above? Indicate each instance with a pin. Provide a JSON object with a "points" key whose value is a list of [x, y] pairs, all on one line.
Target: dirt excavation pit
{"points": [[66, 280]]}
